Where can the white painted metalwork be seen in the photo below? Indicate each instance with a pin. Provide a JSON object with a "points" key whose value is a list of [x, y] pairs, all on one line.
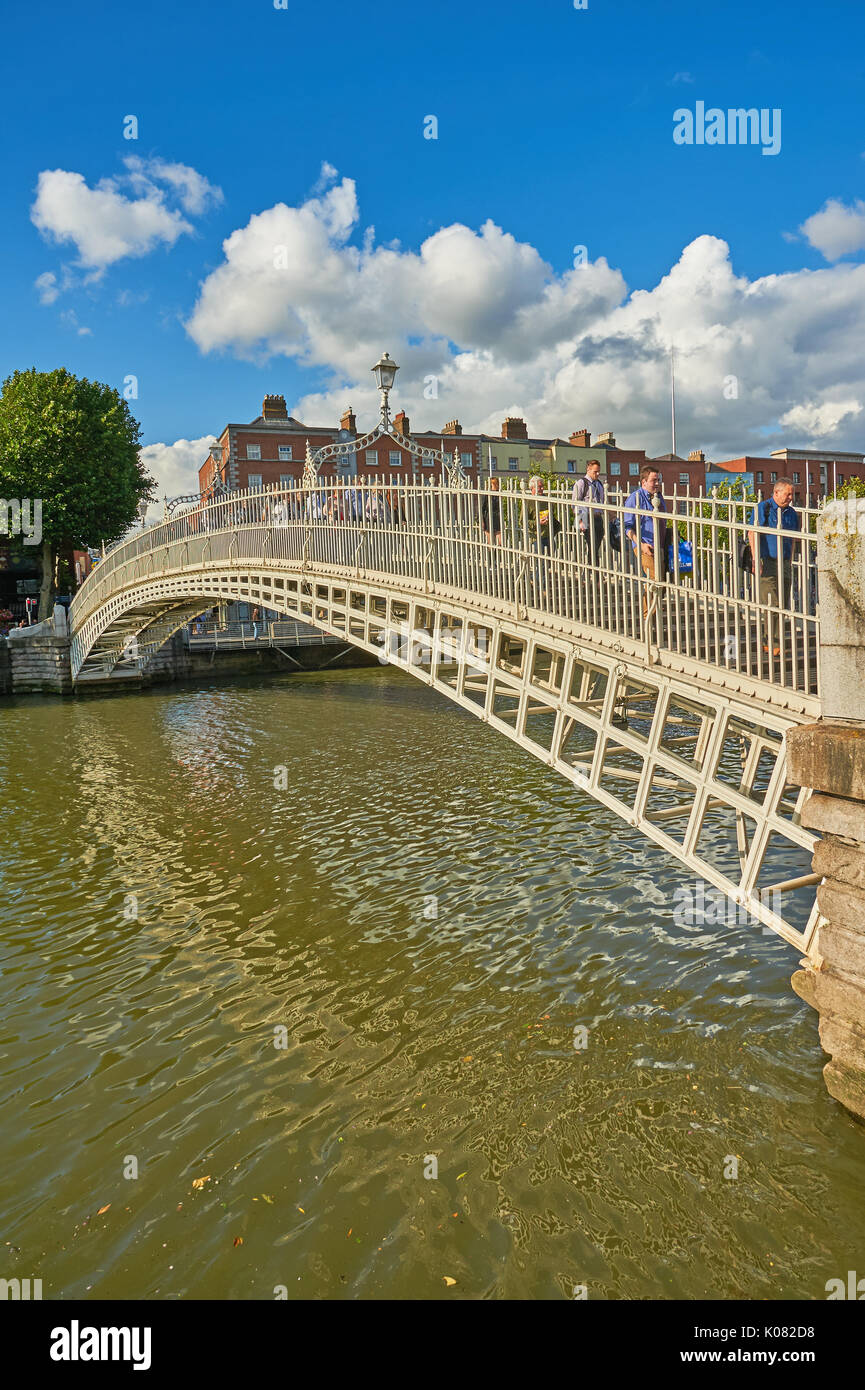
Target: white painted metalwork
{"points": [[665, 698]]}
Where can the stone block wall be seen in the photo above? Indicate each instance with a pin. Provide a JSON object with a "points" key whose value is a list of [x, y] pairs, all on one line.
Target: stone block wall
{"points": [[830, 757], [39, 662]]}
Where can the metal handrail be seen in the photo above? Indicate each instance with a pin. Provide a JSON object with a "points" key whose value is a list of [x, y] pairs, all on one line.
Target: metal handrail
{"points": [[430, 537]]}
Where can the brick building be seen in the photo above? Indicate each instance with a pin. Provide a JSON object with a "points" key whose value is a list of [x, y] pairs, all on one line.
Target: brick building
{"points": [[270, 451], [813, 472]]}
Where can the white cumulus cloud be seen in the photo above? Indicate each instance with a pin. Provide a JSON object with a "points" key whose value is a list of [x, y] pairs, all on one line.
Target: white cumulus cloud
{"points": [[194, 192], [818, 420], [105, 224], [836, 230], [175, 468], [482, 327], [102, 224]]}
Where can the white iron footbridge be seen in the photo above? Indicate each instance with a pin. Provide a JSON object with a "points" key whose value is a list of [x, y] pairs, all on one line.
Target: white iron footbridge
{"points": [[665, 698]]}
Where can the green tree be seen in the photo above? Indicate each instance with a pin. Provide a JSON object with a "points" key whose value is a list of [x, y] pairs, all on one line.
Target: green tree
{"points": [[73, 444], [733, 502], [854, 487]]}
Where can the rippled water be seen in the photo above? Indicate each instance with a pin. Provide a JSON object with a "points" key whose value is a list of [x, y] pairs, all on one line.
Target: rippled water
{"points": [[169, 916]]}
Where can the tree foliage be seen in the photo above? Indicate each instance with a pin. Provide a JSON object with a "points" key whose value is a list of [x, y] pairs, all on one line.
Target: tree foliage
{"points": [[74, 444]]}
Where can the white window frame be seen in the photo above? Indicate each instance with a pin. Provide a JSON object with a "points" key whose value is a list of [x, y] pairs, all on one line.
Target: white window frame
{"points": [[394, 458], [615, 470], [253, 452], [285, 480], [253, 482], [371, 456], [285, 455], [513, 465], [572, 465]]}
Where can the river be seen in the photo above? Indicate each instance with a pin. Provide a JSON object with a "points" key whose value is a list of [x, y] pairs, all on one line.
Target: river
{"points": [[276, 952]]}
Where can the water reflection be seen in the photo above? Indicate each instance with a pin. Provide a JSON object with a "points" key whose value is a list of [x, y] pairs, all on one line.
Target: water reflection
{"points": [[168, 915]]}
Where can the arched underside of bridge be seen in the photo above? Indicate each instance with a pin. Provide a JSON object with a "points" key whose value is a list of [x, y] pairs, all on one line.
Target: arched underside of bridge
{"points": [[699, 769]]}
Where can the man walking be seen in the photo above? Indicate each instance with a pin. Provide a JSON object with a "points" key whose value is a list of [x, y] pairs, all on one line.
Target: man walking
{"points": [[641, 530], [591, 519], [773, 587]]}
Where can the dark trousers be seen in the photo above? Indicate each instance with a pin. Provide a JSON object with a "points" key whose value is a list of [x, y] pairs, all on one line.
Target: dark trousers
{"points": [[593, 536]]}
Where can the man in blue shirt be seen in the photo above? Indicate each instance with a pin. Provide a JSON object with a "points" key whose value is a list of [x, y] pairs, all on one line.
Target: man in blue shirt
{"points": [[644, 544], [775, 511]]}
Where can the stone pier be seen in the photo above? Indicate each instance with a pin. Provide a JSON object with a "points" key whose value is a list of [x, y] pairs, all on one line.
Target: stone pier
{"points": [[38, 657], [829, 757]]}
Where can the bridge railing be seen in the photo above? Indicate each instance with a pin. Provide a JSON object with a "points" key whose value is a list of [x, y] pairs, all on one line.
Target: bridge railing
{"points": [[678, 574]]}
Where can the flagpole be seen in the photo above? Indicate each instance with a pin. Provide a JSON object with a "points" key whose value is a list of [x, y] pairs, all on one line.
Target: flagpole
{"points": [[673, 394]]}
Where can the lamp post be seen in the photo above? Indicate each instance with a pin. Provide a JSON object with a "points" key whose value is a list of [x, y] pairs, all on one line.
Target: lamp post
{"points": [[385, 371]]}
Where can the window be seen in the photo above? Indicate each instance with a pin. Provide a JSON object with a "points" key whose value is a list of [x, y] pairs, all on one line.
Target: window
{"points": [[572, 465], [372, 458], [684, 479], [796, 478], [513, 465], [253, 480], [394, 458], [759, 477], [284, 453], [615, 469], [253, 451], [494, 461], [427, 462], [634, 470], [285, 480], [466, 460], [773, 477], [840, 478]]}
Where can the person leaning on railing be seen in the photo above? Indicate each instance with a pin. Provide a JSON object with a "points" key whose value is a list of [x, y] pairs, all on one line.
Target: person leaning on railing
{"points": [[641, 530], [547, 523], [775, 511]]}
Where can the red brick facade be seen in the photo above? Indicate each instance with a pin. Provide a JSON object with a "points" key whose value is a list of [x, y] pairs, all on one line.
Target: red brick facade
{"points": [[817, 473]]}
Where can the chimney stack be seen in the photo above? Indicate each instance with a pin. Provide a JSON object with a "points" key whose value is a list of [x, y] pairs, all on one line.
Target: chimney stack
{"points": [[608, 438], [696, 456], [348, 421], [401, 424], [581, 438], [452, 427], [273, 408], [514, 428]]}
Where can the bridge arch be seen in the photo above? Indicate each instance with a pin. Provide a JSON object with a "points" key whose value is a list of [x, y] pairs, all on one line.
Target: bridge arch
{"points": [[696, 764]]}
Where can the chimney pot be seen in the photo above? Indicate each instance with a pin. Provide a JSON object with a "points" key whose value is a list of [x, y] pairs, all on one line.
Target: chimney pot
{"points": [[274, 408], [514, 428]]}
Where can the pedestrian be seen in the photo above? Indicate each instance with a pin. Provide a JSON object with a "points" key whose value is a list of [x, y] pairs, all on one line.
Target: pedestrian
{"points": [[774, 588], [491, 515], [590, 519], [641, 530], [256, 618], [548, 526]]}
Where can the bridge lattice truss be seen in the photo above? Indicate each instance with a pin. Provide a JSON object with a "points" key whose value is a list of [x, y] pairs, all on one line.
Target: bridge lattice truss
{"points": [[557, 654]]}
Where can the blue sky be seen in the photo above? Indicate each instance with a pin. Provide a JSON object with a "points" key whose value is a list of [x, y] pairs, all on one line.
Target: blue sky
{"points": [[555, 124]]}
